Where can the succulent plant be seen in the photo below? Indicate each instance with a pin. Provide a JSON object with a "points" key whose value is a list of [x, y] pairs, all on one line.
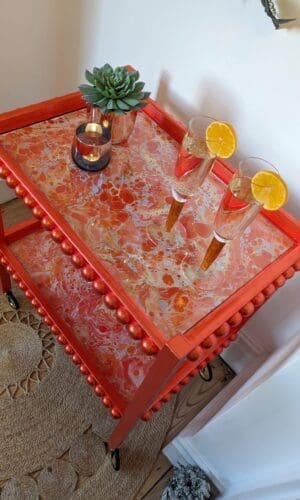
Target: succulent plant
{"points": [[114, 90]]}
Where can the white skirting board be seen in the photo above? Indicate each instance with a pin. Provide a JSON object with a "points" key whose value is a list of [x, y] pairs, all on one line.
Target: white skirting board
{"points": [[241, 440], [245, 357], [243, 351], [181, 450]]}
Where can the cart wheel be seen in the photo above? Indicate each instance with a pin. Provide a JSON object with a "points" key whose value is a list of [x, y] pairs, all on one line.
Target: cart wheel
{"points": [[12, 300], [206, 374], [115, 459], [114, 456]]}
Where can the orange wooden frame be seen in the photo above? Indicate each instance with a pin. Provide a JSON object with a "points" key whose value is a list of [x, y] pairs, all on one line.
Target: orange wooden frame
{"points": [[176, 360]]}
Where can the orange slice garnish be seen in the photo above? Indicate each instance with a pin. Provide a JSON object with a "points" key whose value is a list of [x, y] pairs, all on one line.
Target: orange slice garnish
{"points": [[269, 189]]}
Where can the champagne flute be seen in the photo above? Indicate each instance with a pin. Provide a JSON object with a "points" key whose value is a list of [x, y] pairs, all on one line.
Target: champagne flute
{"points": [[238, 208], [193, 164]]}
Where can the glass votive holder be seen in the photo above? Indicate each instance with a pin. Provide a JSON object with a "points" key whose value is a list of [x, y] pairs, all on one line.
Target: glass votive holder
{"points": [[91, 148]]}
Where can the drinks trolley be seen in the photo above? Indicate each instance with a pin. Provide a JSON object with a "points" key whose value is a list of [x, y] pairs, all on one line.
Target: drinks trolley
{"points": [[135, 332]]}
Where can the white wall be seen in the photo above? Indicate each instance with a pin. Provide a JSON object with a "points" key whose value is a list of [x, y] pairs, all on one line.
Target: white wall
{"points": [[40, 52], [222, 58], [227, 60], [39, 43], [251, 446]]}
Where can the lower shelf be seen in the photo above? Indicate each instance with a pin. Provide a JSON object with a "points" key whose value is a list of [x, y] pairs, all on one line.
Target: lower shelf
{"points": [[117, 356], [111, 360]]}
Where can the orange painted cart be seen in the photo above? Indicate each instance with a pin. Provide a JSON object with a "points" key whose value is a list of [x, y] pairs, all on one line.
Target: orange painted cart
{"points": [[118, 305]]}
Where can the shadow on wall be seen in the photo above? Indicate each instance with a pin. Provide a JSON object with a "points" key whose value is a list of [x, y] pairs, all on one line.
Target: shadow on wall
{"points": [[293, 203], [68, 46], [75, 46], [88, 26], [48, 47], [212, 100], [76, 40], [39, 44]]}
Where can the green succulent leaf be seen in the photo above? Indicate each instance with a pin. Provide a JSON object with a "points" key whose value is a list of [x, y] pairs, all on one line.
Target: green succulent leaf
{"points": [[90, 77], [102, 102], [86, 88], [114, 90], [146, 95], [90, 94], [110, 104], [123, 105], [131, 101], [135, 75], [139, 86], [105, 92], [139, 106], [107, 67], [89, 99]]}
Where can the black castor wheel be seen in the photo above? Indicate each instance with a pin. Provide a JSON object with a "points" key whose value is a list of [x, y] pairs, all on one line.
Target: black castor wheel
{"points": [[206, 374], [12, 300], [114, 456]]}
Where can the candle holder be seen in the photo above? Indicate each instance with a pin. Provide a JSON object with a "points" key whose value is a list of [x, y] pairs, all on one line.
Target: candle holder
{"points": [[91, 148]]}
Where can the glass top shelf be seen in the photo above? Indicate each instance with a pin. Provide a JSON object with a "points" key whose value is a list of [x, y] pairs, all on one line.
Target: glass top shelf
{"points": [[111, 210]]}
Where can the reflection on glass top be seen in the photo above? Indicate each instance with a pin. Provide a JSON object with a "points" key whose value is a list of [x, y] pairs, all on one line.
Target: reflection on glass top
{"points": [[119, 358], [112, 209]]}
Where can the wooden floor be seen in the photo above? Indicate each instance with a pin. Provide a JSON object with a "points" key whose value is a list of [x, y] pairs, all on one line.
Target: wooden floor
{"points": [[189, 402], [195, 396]]}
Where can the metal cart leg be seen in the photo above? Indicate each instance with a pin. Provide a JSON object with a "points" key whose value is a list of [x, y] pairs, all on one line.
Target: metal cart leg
{"points": [[5, 284], [160, 372]]}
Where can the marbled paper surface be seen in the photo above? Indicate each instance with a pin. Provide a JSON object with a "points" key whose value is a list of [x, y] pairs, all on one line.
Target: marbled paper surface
{"points": [[112, 211], [120, 358]]}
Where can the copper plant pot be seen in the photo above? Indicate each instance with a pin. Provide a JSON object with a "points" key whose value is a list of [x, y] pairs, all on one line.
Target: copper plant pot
{"points": [[121, 125]]}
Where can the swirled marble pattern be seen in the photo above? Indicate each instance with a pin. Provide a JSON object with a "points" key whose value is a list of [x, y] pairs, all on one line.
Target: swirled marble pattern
{"points": [[119, 357], [111, 211]]}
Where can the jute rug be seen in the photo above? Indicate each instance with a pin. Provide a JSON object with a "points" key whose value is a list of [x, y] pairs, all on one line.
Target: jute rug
{"points": [[52, 424]]}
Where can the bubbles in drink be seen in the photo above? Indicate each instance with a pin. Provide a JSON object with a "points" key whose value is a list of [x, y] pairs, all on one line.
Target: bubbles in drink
{"points": [[188, 184], [196, 146], [237, 209]]}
